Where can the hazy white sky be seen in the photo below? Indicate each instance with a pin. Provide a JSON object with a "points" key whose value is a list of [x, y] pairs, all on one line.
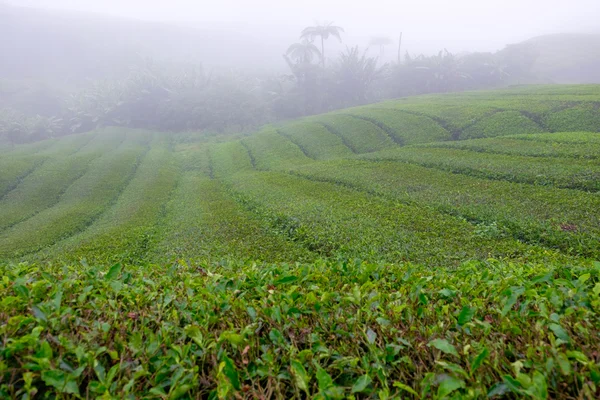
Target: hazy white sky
{"points": [[428, 24]]}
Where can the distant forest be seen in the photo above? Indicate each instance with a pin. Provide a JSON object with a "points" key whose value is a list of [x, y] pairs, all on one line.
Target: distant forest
{"points": [[130, 88]]}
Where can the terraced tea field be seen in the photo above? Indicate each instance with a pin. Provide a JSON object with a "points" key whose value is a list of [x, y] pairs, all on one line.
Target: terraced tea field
{"points": [[431, 247]]}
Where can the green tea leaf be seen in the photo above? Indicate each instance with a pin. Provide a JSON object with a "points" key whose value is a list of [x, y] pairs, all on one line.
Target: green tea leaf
{"points": [[39, 314], [466, 315], [61, 381], [448, 385], [361, 384], [192, 331], [180, 391], [513, 384], [286, 279], [479, 359], [371, 336], [579, 356], [564, 364], [406, 388], [113, 272], [560, 333], [45, 351], [444, 346], [228, 368], [324, 380], [301, 378], [276, 336], [539, 386], [498, 389]]}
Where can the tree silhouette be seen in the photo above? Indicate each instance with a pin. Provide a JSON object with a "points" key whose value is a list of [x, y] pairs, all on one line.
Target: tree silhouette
{"points": [[380, 41], [354, 73], [322, 31], [303, 52]]}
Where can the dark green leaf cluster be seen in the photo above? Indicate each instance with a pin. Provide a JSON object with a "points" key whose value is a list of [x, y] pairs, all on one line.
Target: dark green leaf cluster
{"points": [[324, 330]]}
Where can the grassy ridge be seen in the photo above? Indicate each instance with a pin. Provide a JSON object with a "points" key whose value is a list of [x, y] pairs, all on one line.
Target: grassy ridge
{"points": [[560, 219], [559, 145], [205, 223], [564, 137], [228, 158], [359, 135], [404, 128], [21, 161], [315, 140], [14, 170], [126, 231], [546, 171], [45, 185], [584, 118], [500, 124], [81, 203], [338, 221], [271, 150]]}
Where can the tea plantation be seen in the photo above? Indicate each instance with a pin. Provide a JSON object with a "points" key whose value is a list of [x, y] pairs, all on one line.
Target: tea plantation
{"points": [[440, 246]]}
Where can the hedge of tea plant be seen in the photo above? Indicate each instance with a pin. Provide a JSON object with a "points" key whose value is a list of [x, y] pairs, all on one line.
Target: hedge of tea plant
{"points": [[326, 330], [582, 174]]}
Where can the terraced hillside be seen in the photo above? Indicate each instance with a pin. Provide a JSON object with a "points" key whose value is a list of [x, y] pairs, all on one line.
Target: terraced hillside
{"points": [[438, 189]]}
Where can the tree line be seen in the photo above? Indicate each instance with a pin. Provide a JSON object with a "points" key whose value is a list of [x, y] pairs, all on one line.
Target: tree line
{"points": [[188, 98]]}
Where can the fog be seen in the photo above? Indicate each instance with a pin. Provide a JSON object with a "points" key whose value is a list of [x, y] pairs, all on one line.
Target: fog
{"points": [[428, 25], [231, 66]]}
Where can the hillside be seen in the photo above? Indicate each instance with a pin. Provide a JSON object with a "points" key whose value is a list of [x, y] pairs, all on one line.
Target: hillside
{"points": [[69, 197], [427, 247], [76, 47]]}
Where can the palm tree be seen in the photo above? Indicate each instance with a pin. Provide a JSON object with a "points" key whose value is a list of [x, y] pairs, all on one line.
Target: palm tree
{"points": [[322, 31], [303, 51]]}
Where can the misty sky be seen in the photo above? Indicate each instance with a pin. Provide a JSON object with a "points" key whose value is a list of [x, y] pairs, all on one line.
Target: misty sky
{"points": [[428, 25]]}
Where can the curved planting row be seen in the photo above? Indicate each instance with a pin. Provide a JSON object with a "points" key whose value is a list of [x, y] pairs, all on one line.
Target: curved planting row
{"points": [[432, 118], [315, 140], [83, 201], [579, 174], [271, 150], [337, 221], [556, 218], [45, 185], [555, 145], [126, 230]]}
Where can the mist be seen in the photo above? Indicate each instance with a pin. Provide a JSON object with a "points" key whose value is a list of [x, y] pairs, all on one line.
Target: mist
{"points": [[428, 26], [229, 67]]}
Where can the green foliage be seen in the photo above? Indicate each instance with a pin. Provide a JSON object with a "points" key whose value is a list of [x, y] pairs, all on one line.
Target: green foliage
{"points": [[545, 171], [141, 264], [359, 135], [127, 230], [500, 124], [203, 222], [582, 138], [44, 186], [560, 218], [336, 221], [338, 329], [404, 128], [82, 202], [228, 158], [315, 140], [559, 145], [272, 150], [583, 117]]}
